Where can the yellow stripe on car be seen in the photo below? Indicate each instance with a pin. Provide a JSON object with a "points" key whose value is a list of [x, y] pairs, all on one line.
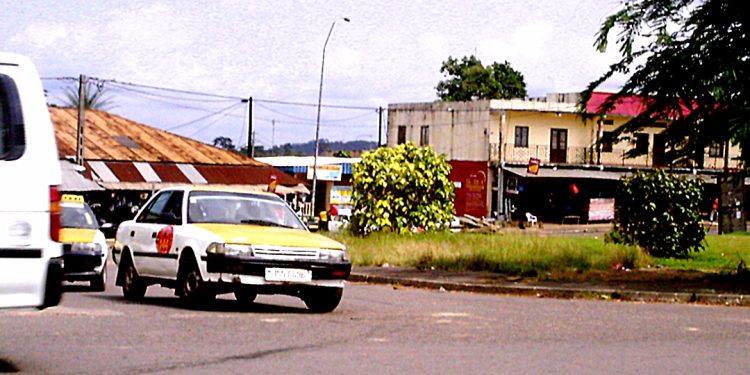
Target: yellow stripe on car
{"points": [[70, 235], [257, 235]]}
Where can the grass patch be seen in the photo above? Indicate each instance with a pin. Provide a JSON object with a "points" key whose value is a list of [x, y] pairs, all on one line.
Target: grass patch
{"points": [[722, 254], [502, 253], [526, 255]]}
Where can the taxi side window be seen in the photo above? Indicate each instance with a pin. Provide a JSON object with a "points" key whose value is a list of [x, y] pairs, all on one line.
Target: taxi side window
{"points": [[166, 208], [12, 136]]}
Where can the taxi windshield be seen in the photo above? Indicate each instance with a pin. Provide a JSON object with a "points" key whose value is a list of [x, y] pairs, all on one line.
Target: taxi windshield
{"points": [[240, 208], [77, 215]]}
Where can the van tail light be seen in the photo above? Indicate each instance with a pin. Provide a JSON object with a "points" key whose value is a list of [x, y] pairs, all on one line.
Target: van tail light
{"points": [[54, 213]]}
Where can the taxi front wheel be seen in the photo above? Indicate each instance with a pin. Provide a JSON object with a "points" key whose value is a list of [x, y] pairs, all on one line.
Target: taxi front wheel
{"points": [[244, 296], [192, 288], [322, 300]]}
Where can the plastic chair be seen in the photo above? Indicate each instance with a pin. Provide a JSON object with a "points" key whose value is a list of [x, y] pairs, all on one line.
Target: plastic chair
{"points": [[530, 219]]}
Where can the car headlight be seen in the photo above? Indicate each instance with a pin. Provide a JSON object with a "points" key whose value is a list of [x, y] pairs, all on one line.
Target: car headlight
{"points": [[85, 247], [230, 249], [330, 254], [215, 248], [238, 250]]}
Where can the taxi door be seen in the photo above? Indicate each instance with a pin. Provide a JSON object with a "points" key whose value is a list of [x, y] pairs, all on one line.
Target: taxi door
{"points": [[152, 234]]}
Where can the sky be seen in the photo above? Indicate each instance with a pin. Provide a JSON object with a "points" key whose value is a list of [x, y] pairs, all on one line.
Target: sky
{"points": [[156, 57]]}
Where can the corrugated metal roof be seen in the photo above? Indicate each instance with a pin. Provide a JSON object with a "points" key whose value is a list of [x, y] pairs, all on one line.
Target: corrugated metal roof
{"points": [[104, 134], [74, 181], [154, 186], [126, 155]]}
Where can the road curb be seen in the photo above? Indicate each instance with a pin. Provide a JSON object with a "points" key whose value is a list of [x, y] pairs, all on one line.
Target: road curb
{"points": [[559, 292]]}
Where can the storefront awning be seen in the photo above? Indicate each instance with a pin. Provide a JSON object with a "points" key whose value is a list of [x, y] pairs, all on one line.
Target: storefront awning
{"points": [[568, 173]]}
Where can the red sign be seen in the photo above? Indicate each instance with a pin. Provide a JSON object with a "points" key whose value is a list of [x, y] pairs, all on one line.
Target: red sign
{"points": [[533, 167], [164, 239]]}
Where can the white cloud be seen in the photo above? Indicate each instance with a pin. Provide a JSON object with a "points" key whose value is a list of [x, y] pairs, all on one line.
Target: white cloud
{"points": [[39, 35]]}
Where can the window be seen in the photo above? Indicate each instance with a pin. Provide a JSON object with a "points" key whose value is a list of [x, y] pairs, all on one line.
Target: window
{"points": [[424, 135], [715, 150], [401, 134], [12, 137], [522, 136], [607, 140], [641, 143], [166, 208]]}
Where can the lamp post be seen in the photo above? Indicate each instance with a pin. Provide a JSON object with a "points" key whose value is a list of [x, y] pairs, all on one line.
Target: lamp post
{"points": [[317, 123]]}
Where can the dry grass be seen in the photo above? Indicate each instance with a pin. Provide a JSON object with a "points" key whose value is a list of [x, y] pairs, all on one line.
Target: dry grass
{"points": [[501, 253]]}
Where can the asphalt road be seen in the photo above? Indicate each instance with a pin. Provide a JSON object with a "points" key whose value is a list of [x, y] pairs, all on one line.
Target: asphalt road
{"points": [[376, 330]]}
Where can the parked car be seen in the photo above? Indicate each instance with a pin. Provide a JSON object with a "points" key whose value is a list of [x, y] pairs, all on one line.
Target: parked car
{"points": [[203, 242], [85, 250]]}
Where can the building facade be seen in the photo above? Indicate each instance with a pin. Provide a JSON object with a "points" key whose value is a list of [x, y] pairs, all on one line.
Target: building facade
{"points": [[538, 155]]}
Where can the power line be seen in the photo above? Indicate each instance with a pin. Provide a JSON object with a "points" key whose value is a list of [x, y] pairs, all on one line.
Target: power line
{"points": [[190, 92], [204, 117], [314, 104], [146, 93]]}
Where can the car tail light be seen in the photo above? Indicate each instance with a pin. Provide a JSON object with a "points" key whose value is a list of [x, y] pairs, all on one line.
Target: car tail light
{"points": [[54, 213]]}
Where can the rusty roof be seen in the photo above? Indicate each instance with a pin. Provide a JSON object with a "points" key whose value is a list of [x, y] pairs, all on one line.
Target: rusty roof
{"points": [[124, 154], [110, 137]]}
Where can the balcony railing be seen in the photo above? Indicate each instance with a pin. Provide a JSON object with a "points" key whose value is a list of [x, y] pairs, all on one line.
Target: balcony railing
{"points": [[587, 155]]}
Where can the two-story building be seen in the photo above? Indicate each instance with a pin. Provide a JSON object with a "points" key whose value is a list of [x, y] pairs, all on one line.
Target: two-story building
{"points": [[538, 155]]}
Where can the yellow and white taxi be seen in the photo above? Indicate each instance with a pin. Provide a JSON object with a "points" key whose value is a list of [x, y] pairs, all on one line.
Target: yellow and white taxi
{"points": [[203, 242], [85, 249]]}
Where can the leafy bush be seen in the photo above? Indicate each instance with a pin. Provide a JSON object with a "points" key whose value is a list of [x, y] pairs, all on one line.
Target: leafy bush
{"points": [[400, 189], [659, 212]]}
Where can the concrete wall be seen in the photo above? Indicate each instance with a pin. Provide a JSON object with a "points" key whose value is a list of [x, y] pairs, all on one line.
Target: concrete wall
{"points": [[470, 131]]}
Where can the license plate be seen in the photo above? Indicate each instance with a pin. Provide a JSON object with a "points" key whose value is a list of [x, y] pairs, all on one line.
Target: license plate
{"points": [[288, 274]]}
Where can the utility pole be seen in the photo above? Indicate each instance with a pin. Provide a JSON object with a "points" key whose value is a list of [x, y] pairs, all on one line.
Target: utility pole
{"points": [[250, 133], [380, 126], [81, 117], [273, 133]]}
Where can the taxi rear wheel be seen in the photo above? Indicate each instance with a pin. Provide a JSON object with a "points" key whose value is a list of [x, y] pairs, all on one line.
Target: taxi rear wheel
{"points": [[193, 289], [322, 300], [133, 289]]}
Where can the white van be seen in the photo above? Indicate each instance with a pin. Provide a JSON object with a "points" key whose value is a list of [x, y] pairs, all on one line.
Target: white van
{"points": [[30, 256]]}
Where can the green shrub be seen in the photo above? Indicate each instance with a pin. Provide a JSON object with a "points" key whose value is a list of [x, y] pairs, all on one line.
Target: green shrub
{"points": [[659, 212], [400, 189]]}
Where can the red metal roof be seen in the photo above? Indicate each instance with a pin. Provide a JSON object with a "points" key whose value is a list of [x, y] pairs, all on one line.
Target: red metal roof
{"points": [[630, 106], [245, 175], [125, 172], [169, 172]]}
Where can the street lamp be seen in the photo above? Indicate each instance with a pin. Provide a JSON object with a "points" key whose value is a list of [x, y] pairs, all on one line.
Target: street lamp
{"points": [[317, 123]]}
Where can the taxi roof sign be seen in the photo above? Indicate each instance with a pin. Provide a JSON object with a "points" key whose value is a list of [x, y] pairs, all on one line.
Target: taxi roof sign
{"points": [[72, 198]]}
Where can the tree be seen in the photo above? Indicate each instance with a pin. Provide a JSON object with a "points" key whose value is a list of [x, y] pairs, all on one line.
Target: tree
{"points": [[659, 212], [95, 96], [398, 189], [468, 80], [342, 154], [688, 61], [224, 143]]}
